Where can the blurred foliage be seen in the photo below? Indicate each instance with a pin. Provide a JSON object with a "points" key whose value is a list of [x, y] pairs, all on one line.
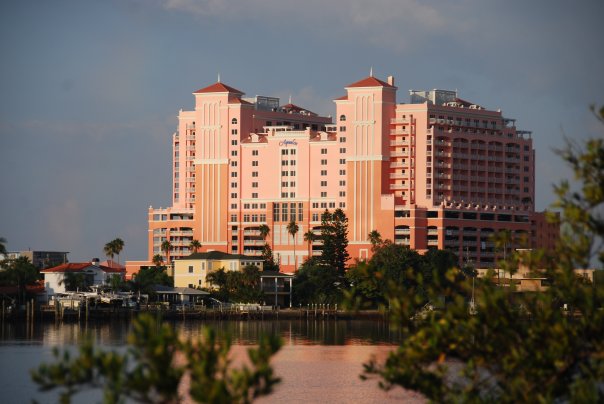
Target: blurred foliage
{"points": [[155, 364], [514, 347]]}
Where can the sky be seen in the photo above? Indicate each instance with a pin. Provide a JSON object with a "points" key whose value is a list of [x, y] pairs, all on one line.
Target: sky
{"points": [[90, 89]]}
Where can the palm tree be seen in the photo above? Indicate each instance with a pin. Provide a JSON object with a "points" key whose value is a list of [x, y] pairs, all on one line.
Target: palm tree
{"points": [[158, 260], [264, 231], [375, 238], [310, 237], [292, 228], [118, 246], [195, 245], [109, 250], [166, 246]]}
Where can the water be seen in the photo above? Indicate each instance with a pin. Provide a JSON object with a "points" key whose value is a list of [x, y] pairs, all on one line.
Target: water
{"points": [[319, 362]]}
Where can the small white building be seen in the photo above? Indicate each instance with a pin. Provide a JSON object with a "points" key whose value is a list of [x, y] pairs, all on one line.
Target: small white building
{"points": [[93, 273]]}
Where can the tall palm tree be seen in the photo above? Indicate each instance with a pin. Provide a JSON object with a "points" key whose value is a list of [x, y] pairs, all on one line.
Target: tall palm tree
{"points": [[292, 228], [310, 237], [109, 250], [195, 245], [264, 231], [166, 246], [118, 246]]}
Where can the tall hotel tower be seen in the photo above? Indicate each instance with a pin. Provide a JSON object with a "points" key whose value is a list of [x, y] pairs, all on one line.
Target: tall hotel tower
{"points": [[437, 172]]}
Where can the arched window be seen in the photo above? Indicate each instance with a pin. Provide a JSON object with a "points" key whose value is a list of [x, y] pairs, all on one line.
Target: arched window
{"points": [[342, 118], [234, 121]]}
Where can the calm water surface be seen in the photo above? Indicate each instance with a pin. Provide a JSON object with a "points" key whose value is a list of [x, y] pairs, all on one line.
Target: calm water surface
{"points": [[320, 360]]}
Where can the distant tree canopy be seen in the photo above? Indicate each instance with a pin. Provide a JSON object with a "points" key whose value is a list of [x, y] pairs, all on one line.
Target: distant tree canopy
{"points": [[19, 272], [237, 286]]}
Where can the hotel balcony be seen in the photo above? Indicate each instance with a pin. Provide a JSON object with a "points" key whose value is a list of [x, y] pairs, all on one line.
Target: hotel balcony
{"points": [[398, 186], [399, 120], [432, 242], [399, 153], [399, 143], [397, 176], [397, 164], [402, 231], [190, 148]]}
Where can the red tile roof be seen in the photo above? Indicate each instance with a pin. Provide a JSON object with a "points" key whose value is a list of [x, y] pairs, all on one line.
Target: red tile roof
{"points": [[78, 267], [344, 97], [218, 88], [369, 82]]}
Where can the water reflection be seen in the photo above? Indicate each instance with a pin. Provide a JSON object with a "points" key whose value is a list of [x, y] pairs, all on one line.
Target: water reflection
{"points": [[246, 332]]}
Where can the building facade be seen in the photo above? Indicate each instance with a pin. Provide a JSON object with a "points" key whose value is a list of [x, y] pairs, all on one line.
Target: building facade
{"points": [[435, 172]]}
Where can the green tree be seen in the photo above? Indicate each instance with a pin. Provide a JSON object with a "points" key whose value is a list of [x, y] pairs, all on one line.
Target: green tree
{"points": [[310, 237], [158, 260], [292, 229], [334, 234], [3, 246], [269, 258], [218, 280], [148, 373], [195, 245], [118, 246], [317, 283], [515, 347], [148, 277], [166, 247], [109, 250], [264, 231], [20, 272], [375, 238], [74, 281]]}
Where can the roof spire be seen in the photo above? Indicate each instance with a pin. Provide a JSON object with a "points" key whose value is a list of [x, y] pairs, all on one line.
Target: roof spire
{"points": [[219, 77], [371, 72], [290, 99]]}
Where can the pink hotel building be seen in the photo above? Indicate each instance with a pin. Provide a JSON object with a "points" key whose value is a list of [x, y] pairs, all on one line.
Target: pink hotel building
{"points": [[437, 172]]}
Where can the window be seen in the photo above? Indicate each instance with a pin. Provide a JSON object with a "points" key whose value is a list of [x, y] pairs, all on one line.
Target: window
{"points": [[342, 139], [315, 205], [254, 173], [342, 204], [254, 218], [292, 183], [263, 206], [315, 217], [323, 172], [233, 219], [254, 206], [233, 143], [246, 206], [234, 174], [284, 162], [234, 195], [323, 205], [332, 204], [342, 150], [233, 131], [284, 173], [234, 121], [292, 173], [255, 195], [323, 151], [254, 185], [233, 164], [324, 162], [342, 172], [323, 194], [292, 162], [323, 183], [233, 185], [234, 153], [246, 217], [292, 194], [342, 161], [283, 194], [254, 152], [342, 118], [284, 152], [292, 152], [284, 183], [342, 183], [254, 163], [342, 193], [190, 269], [342, 128], [233, 206]]}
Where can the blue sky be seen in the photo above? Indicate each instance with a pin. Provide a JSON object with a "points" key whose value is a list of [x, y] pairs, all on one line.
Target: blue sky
{"points": [[90, 89]]}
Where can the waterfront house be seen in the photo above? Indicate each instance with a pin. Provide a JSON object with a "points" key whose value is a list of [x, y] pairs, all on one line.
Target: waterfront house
{"points": [[91, 273], [191, 271]]}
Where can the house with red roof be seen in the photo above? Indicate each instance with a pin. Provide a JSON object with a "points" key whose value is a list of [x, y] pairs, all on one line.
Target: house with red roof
{"points": [[94, 273]]}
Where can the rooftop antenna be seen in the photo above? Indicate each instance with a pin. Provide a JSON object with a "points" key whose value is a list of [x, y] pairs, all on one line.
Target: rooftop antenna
{"points": [[371, 72], [219, 77], [290, 98]]}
